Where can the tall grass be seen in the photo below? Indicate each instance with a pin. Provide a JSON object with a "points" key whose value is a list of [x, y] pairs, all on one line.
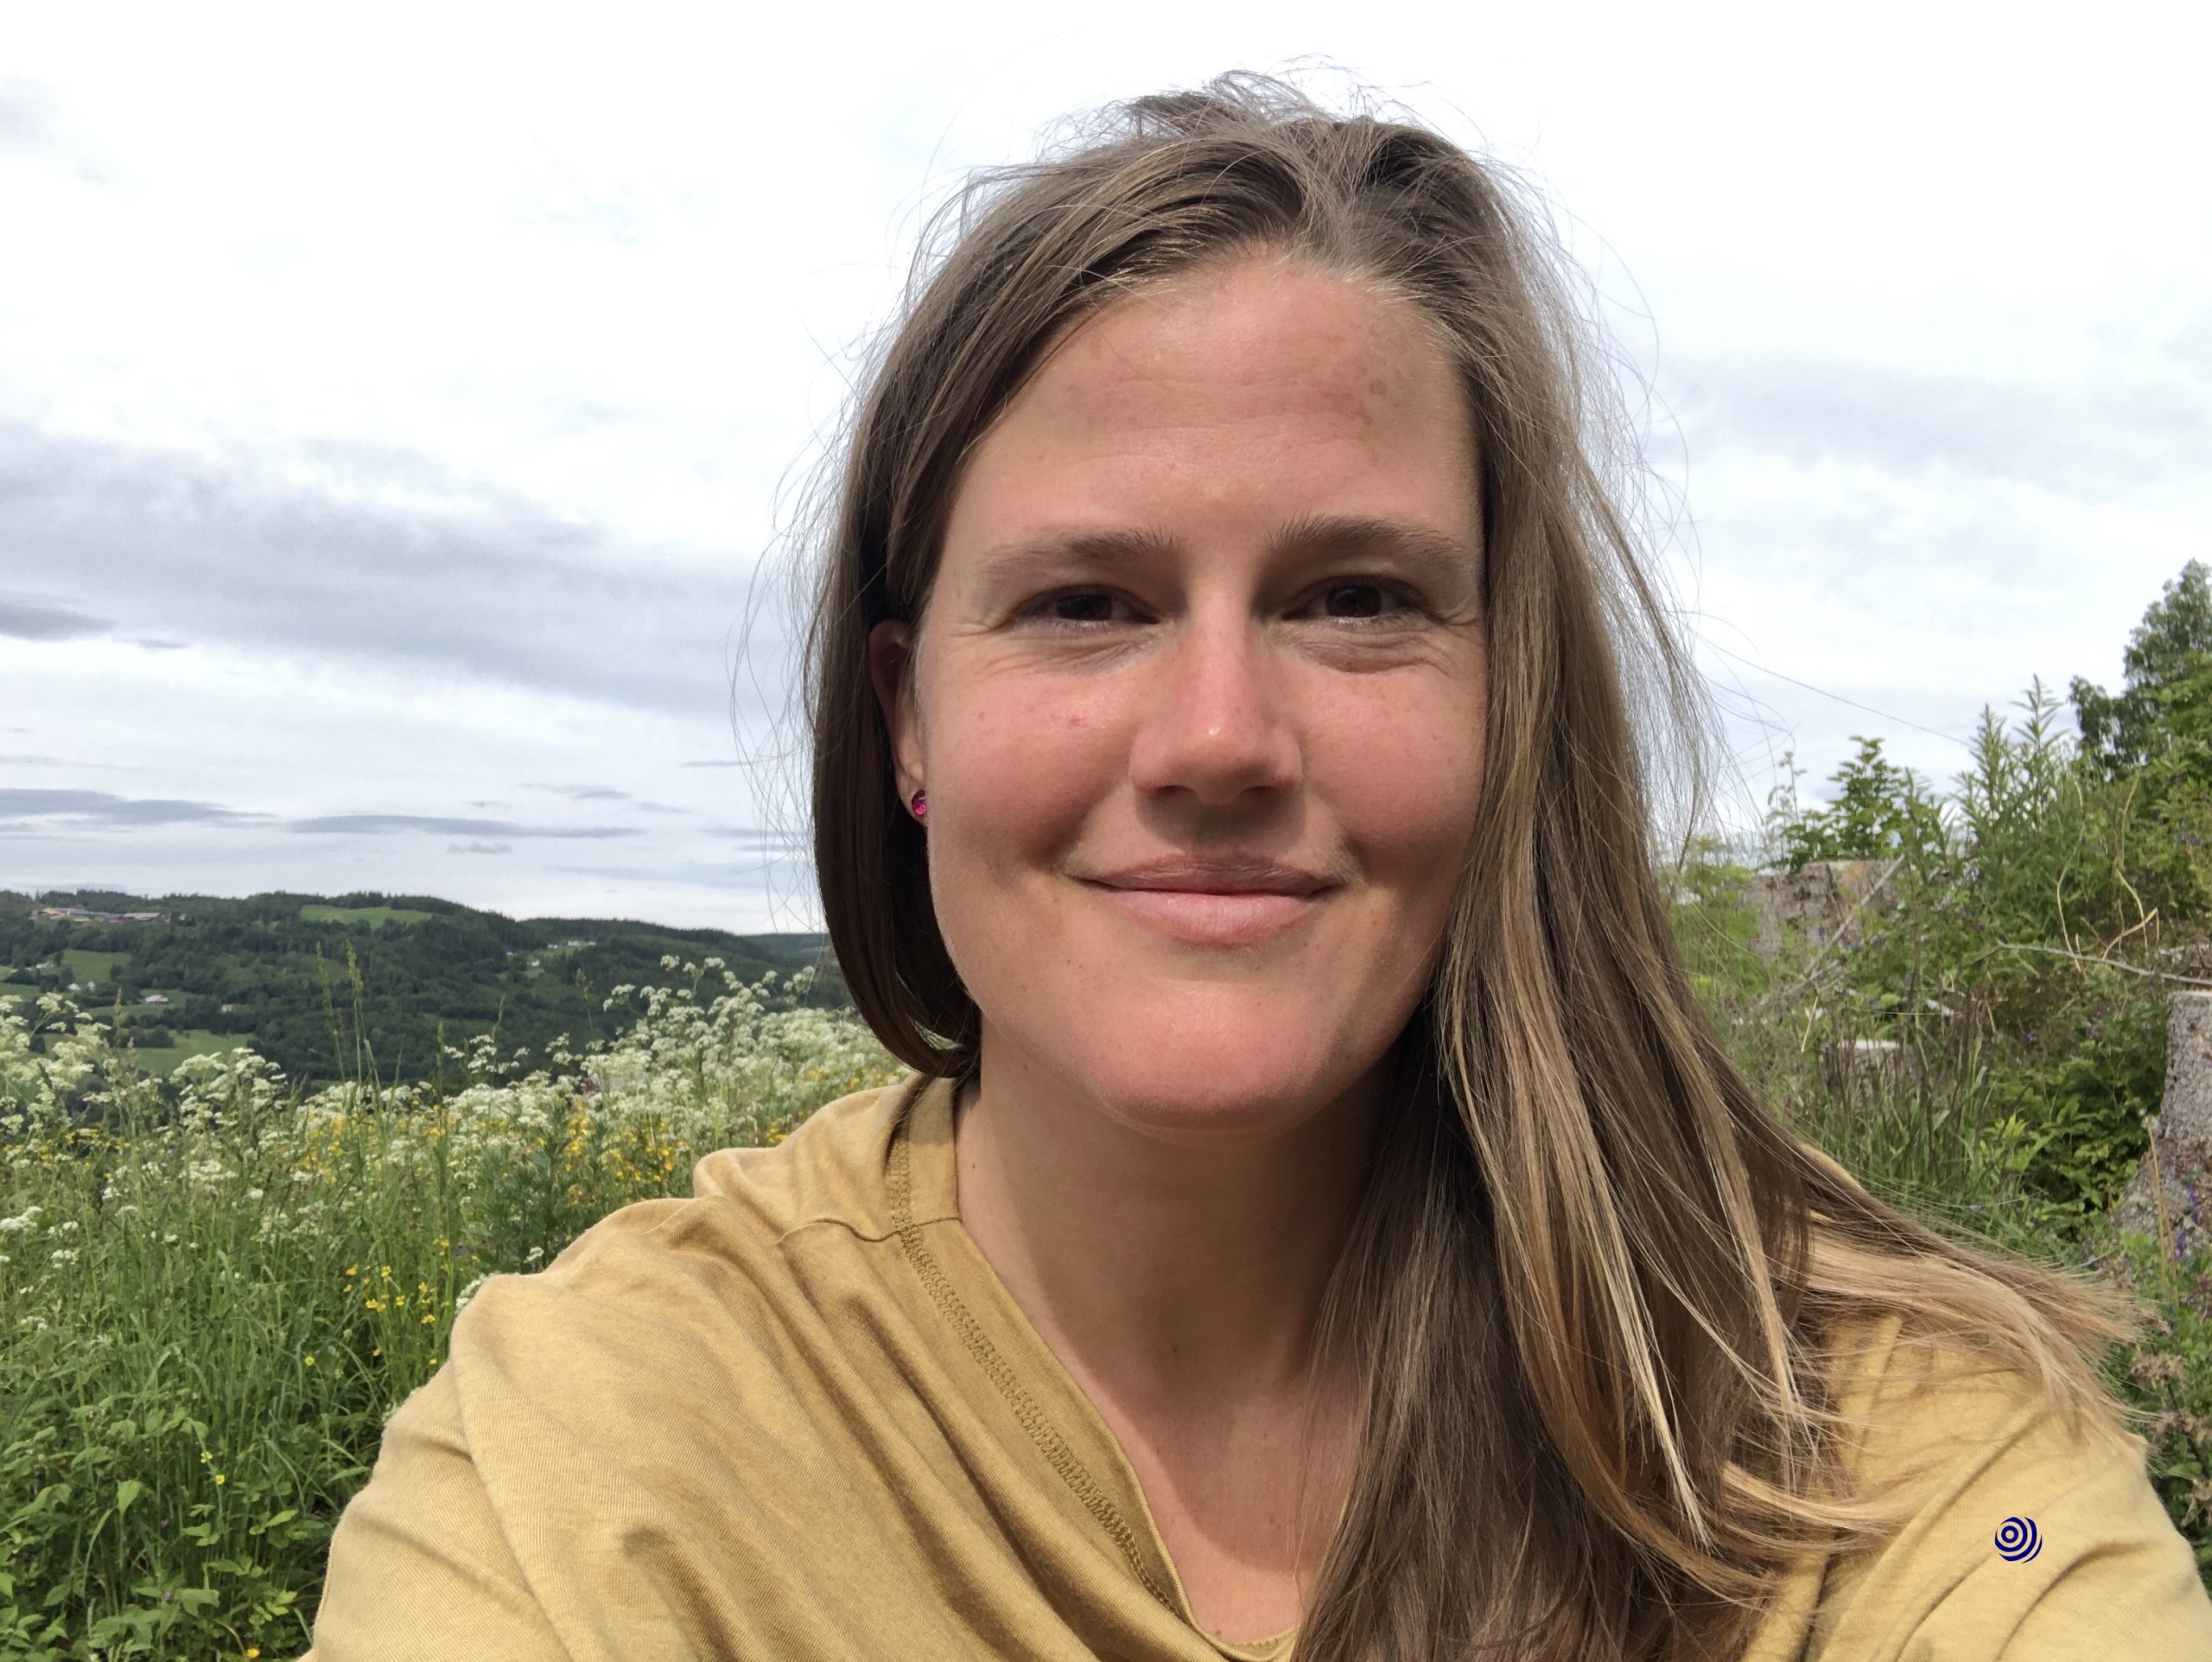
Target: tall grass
{"points": [[211, 1296]]}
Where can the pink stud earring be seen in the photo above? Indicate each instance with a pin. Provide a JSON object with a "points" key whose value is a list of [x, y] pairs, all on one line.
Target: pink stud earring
{"points": [[921, 805]]}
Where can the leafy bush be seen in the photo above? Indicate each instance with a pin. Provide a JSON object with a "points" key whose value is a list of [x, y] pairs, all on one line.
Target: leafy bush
{"points": [[1985, 1041]]}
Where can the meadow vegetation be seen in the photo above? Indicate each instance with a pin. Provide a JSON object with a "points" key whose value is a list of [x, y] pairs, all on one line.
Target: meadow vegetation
{"points": [[213, 1291], [214, 1287]]}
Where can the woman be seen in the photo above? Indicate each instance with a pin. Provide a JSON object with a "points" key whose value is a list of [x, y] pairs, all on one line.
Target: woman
{"points": [[1318, 1222]]}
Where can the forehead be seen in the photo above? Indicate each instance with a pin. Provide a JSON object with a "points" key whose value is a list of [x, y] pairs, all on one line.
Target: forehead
{"points": [[1263, 322], [1262, 385]]}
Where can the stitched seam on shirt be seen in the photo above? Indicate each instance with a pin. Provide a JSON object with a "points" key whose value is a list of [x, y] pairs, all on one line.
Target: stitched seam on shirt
{"points": [[1049, 1441]]}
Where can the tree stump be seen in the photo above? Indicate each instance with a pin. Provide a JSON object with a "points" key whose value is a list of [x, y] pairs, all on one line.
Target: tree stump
{"points": [[1821, 900], [2180, 1161]]}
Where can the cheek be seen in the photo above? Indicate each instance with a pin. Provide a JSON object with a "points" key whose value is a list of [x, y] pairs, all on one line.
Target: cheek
{"points": [[1019, 767], [1402, 776]]}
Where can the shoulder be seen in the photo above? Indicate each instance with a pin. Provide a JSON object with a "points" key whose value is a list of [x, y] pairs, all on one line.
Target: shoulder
{"points": [[2021, 1530], [830, 1170], [665, 1263], [662, 1399]]}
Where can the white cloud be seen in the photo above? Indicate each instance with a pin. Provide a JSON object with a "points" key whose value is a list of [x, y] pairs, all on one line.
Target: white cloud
{"points": [[437, 376]]}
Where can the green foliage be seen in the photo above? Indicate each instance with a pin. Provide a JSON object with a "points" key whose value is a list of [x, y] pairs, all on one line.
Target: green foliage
{"points": [[1982, 1038], [2164, 709], [2167, 1377], [1880, 811], [266, 971], [211, 1298]]}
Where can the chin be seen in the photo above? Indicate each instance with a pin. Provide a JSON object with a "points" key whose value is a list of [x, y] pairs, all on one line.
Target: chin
{"points": [[1188, 1070]]}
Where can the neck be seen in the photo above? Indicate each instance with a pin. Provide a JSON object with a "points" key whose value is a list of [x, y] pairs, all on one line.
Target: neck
{"points": [[1166, 1274]]}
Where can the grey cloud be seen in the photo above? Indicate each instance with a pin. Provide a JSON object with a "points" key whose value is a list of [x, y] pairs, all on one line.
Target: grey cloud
{"points": [[30, 620], [599, 794], [2098, 441], [758, 836], [33, 127], [378, 823], [156, 643], [101, 808], [29, 116], [739, 874], [481, 587], [480, 847]]}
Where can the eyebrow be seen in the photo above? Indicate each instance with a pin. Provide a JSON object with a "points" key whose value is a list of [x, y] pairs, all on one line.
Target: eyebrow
{"points": [[1418, 546], [1436, 551]]}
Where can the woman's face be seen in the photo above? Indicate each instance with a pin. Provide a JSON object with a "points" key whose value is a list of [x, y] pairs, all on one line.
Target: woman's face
{"points": [[1198, 698]]}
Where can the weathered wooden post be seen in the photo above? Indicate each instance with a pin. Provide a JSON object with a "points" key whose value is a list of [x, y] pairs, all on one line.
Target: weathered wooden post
{"points": [[2181, 1137]]}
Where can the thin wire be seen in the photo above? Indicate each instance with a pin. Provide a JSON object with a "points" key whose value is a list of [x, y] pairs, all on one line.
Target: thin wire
{"points": [[1750, 663]]}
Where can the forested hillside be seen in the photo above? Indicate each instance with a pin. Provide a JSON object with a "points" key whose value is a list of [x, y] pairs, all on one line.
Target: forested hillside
{"points": [[322, 987]]}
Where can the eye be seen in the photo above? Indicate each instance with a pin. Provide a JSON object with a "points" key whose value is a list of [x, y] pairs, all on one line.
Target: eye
{"points": [[1360, 599], [1081, 608], [1080, 605]]}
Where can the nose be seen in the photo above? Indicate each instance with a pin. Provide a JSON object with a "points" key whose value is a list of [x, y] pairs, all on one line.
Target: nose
{"points": [[1216, 724]]}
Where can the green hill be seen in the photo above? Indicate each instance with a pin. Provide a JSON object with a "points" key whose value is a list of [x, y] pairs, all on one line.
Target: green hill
{"points": [[271, 971]]}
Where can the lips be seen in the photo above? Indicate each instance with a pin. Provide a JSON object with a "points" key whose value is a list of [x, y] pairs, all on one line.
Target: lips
{"points": [[1217, 874], [1205, 920]]}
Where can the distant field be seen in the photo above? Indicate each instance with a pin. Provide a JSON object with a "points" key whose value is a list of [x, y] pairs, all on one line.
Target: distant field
{"points": [[375, 916], [194, 1042], [91, 967]]}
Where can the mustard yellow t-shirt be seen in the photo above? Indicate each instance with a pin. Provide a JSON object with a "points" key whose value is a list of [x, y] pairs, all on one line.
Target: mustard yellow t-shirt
{"points": [[798, 1417]]}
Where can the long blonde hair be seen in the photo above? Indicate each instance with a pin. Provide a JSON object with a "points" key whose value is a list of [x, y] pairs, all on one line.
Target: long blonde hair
{"points": [[1596, 1291]]}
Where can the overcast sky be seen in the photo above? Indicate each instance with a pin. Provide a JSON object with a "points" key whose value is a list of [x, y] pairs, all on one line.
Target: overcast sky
{"points": [[403, 411]]}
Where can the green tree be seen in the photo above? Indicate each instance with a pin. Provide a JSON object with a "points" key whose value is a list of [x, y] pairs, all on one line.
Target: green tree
{"points": [[1878, 812], [2164, 707]]}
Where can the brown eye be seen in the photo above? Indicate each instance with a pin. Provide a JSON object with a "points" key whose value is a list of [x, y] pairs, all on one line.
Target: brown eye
{"points": [[1082, 607], [1353, 599]]}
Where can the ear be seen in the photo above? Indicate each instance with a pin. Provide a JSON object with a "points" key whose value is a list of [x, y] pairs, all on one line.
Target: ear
{"points": [[890, 667]]}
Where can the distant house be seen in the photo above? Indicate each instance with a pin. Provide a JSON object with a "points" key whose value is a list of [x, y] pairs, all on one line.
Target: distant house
{"points": [[227, 1008], [155, 998]]}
